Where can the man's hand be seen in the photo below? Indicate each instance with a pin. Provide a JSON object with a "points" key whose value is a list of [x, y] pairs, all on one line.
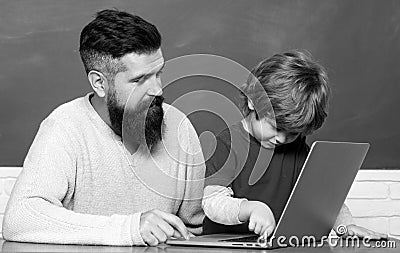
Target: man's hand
{"points": [[157, 226], [260, 217], [354, 230]]}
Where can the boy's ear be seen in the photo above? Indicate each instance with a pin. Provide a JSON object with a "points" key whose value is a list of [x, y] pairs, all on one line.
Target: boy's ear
{"points": [[250, 105], [98, 82]]}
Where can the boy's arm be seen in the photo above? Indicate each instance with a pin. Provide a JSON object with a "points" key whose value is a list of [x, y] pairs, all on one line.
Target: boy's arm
{"points": [[219, 205], [35, 211], [218, 202]]}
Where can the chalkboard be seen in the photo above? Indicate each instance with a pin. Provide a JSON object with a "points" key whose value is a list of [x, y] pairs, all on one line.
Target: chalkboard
{"points": [[357, 41]]}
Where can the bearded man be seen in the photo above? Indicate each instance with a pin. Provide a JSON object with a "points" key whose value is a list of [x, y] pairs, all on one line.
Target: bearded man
{"points": [[117, 166]]}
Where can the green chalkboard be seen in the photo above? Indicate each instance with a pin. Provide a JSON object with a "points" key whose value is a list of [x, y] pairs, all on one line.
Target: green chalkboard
{"points": [[357, 41]]}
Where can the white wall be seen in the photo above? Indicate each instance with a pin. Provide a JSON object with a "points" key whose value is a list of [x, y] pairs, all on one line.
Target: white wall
{"points": [[374, 200]]}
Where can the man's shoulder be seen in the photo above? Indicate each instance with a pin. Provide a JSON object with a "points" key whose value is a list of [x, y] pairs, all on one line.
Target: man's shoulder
{"points": [[179, 129], [69, 111], [171, 111], [175, 118]]}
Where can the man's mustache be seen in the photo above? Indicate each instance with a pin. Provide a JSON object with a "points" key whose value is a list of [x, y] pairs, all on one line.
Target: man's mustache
{"points": [[157, 101]]}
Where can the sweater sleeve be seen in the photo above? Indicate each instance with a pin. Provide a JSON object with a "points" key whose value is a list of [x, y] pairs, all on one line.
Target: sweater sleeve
{"points": [[219, 205], [35, 211], [190, 210]]}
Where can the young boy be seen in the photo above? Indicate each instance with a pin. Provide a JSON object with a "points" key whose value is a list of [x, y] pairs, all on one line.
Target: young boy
{"points": [[257, 161]]}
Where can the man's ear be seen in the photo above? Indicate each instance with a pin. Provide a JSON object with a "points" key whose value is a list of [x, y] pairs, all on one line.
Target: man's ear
{"points": [[98, 82], [250, 105]]}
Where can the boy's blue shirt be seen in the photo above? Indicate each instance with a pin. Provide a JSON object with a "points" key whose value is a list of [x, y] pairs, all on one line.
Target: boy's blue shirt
{"points": [[236, 152]]}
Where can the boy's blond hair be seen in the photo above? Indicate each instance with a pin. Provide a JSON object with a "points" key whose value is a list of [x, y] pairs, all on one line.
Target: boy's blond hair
{"points": [[297, 88]]}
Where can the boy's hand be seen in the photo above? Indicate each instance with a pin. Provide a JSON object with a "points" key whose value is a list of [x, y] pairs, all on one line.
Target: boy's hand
{"points": [[354, 230], [261, 220]]}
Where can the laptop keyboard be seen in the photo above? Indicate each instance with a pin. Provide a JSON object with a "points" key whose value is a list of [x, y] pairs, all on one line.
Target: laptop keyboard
{"points": [[243, 239]]}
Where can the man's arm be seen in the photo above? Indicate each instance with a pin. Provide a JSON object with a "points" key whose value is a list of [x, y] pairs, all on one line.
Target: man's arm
{"points": [[35, 211], [345, 219], [190, 210]]}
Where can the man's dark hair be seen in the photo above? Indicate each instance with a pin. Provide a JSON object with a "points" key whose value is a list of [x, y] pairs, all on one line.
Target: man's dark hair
{"points": [[297, 89], [113, 34]]}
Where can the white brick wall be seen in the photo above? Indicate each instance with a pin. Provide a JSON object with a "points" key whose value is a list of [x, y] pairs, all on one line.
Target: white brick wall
{"points": [[374, 198]]}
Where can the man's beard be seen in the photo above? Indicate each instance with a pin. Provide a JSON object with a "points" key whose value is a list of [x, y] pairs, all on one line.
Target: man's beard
{"points": [[143, 123]]}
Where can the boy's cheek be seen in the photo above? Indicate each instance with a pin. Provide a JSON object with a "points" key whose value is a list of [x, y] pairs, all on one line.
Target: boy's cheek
{"points": [[262, 133]]}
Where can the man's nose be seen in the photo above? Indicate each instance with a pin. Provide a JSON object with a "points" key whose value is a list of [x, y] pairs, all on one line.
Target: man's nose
{"points": [[155, 88]]}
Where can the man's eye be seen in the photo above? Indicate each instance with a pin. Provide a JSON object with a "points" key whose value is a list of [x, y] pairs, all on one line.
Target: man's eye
{"points": [[135, 80]]}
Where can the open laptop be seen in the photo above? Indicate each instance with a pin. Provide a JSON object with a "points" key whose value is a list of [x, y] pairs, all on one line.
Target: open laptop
{"points": [[314, 203]]}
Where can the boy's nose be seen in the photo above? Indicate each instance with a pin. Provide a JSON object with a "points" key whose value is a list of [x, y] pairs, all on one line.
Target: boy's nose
{"points": [[280, 138]]}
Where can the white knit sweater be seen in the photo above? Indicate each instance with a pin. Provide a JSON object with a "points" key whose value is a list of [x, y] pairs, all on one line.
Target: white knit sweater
{"points": [[79, 185]]}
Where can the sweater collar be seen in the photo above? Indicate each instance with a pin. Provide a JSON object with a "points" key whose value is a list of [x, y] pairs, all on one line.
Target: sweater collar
{"points": [[97, 120]]}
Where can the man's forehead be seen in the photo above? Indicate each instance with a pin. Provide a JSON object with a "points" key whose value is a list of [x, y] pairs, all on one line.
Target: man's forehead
{"points": [[143, 62]]}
